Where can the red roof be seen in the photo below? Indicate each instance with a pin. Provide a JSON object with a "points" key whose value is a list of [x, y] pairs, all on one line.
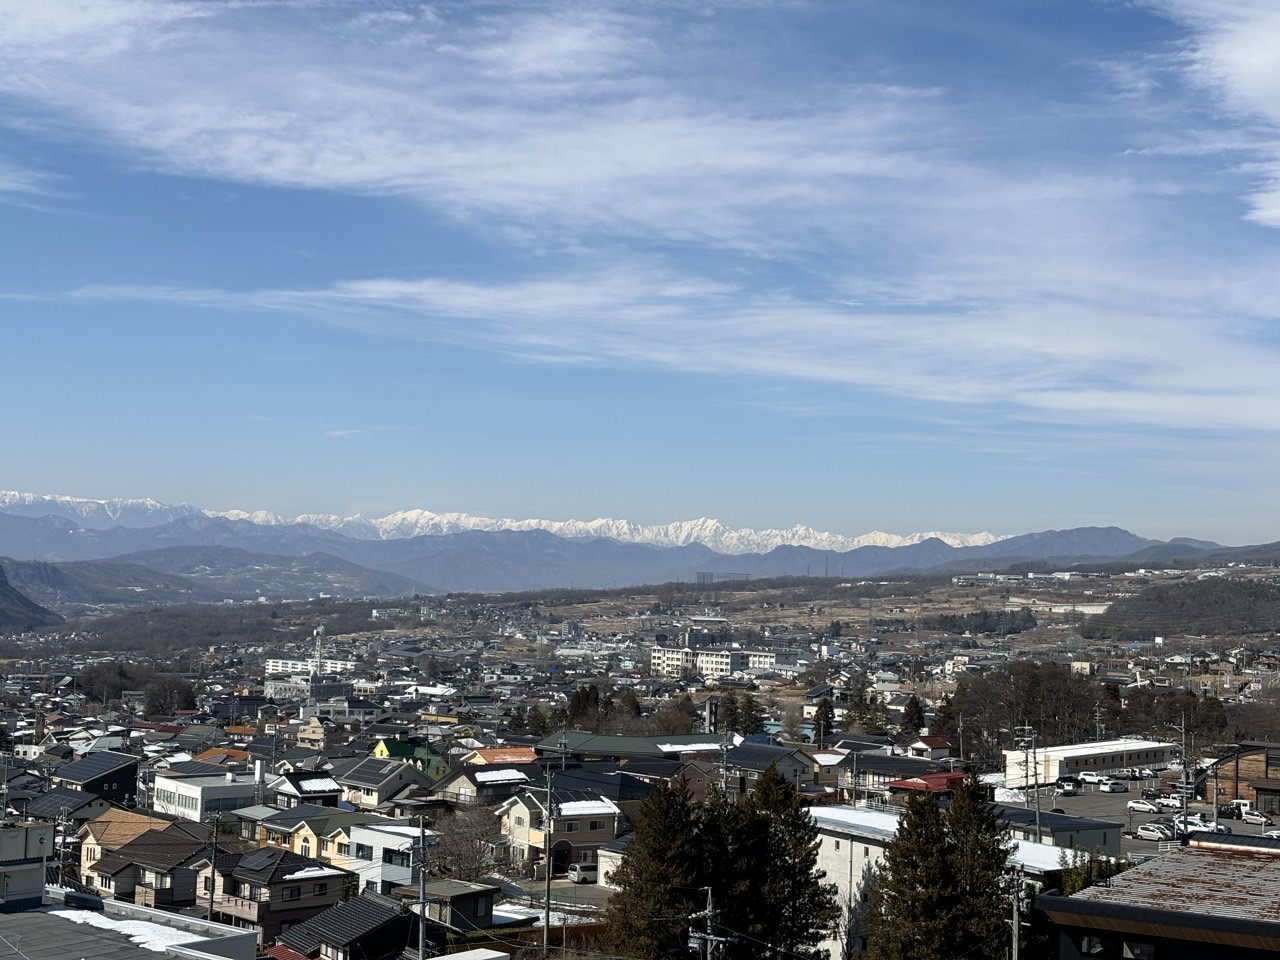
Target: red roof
{"points": [[933, 782], [282, 952], [935, 743]]}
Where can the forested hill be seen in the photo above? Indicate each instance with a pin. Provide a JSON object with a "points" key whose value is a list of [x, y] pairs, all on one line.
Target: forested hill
{"points": [[1214, 605], [19, 613]]}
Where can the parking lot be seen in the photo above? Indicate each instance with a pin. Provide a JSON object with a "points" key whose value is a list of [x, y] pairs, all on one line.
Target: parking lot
{"points": [[1098, 805]]}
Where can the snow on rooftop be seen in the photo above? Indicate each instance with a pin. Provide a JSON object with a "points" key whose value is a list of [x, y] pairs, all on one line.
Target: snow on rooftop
{"points": [[509, 912], [307, 873], [499, 776], [319, 783], [145, 933], [583, 808], [690, 747], [828, 759]]}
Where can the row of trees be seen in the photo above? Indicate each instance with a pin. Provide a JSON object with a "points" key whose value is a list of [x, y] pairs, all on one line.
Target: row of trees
{"points": [[758, 859]]}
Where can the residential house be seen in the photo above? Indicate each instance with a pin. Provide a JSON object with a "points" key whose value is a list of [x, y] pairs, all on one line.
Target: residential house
{"points": [[112, 776], [371, 782], [367, 927], [62, 803], [116, 827], [460, 904], [379, 852], [318, 733], [156, 869], [486, 786], [581, 823], [412, 750], [746, 762], [270, 890], [292, 789]]}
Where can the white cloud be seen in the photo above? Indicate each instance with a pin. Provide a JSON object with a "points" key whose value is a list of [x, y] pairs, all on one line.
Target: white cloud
{"points": [[1231, 53]]}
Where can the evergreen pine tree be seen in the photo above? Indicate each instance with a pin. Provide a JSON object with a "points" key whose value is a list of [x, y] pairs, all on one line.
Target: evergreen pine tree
{"points": [[912, 716], [912, 903], [749, 715], [787, 909], [824, 720], [658, 879], [978, 850], [729, 719]]}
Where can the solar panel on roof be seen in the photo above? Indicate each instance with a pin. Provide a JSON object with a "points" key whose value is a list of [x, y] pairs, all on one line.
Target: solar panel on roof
{"points": [[259, 860], [93, 765]]}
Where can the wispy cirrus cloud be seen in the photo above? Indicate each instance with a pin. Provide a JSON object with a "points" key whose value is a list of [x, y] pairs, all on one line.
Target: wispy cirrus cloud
{"points": [[699, 198]]}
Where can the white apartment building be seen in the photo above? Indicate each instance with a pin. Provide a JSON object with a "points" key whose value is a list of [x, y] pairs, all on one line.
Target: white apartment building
{"points": [[308, 666], [198, 798], [677, 661]]}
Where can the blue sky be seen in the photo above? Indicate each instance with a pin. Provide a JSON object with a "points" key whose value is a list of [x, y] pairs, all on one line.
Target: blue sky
{"points": [[904, 266]]}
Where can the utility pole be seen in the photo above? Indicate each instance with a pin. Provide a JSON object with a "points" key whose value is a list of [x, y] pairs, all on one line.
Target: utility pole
{"points": [[214, 822], [548, 826], [1015, 901], [1026, 740], [708, 944], [422, 886]]}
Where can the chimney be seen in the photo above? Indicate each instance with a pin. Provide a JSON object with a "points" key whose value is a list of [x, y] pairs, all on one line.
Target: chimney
{"points": [[231, 776]]}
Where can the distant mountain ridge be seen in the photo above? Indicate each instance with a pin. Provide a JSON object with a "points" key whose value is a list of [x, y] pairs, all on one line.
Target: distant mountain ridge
{"points": [[404, 524], [196, 556]]}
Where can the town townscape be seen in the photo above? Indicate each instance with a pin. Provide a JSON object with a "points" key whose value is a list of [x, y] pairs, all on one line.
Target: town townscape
{"points": [[924, 767]]}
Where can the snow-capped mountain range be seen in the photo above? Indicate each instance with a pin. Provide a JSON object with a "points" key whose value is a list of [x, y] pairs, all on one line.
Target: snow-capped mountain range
{"points": [[104, 514]]}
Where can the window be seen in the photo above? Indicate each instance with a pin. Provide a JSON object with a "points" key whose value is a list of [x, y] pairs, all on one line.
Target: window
{"points": [[364, 851], [103, 882], [306, 848], [208, 884], [396, 858], [320, 889], [838, 847], [519, 821], [595, 825], [573, 826], [291, 893], [584, 856], [344, 849], [324, 846]]}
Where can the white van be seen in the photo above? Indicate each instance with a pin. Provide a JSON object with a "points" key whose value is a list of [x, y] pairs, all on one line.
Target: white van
{"points": [[583, 872]]}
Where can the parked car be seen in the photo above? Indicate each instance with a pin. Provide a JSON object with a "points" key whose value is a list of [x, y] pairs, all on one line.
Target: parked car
{"points": [[1151, 793], [1170, 803], [1142, 806], [1090, 777], [1069, 788], [1256, 816], [1147, 773], [1155, 831], [1274, 834], [1229, 811], [583, 872], [1114, 786]]}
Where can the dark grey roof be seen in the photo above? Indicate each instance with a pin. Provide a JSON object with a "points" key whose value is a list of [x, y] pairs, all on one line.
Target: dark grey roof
{"points": [[757, 756], [344, 923], [91, 766], [1054, 822], [54, 803], [371, 771], [48, 936], [194, 768]]}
